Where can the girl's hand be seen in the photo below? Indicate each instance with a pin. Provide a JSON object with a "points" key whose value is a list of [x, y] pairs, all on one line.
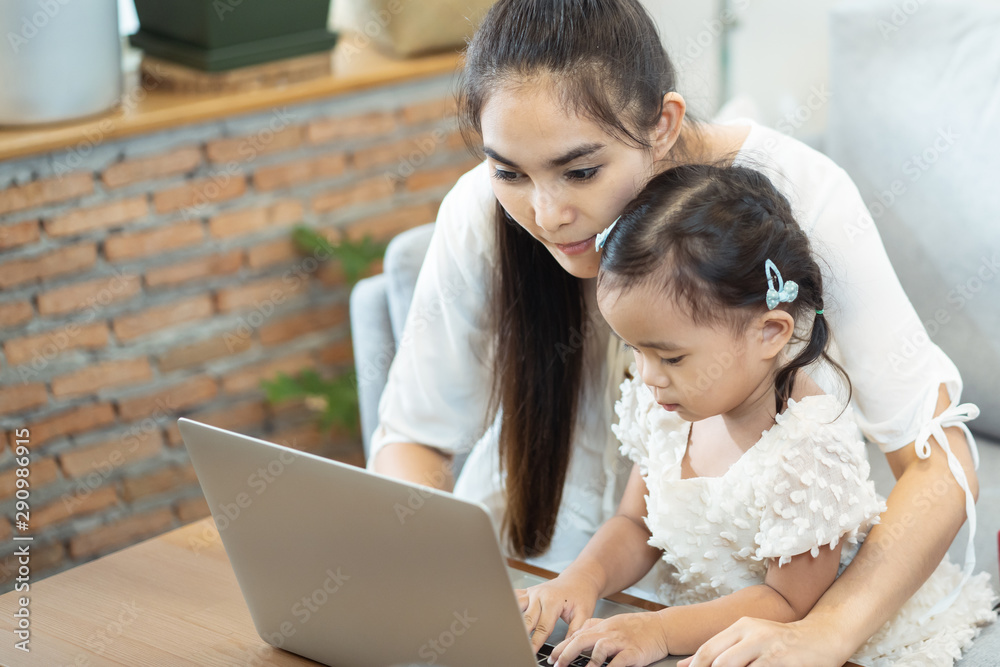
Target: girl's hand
{"points": [[759, 642], [634, 640], [570, 598]]}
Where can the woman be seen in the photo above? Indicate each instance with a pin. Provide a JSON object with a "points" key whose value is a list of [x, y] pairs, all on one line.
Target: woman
{"points": [[575, 106]]}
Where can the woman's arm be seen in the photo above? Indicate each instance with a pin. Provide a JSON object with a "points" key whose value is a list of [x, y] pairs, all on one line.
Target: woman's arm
{"points": [[436, 398], [416, 463], [926, 508]]}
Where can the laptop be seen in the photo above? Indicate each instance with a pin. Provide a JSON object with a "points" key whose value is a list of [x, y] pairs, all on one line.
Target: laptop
{"points": [[354, 569]]}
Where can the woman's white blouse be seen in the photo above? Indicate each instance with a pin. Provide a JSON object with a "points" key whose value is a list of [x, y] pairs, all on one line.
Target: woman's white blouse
{"points": [[440, 380]]}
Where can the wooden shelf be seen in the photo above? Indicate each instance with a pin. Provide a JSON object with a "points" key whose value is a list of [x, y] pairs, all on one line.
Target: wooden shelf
{"points": [[353, 69]]}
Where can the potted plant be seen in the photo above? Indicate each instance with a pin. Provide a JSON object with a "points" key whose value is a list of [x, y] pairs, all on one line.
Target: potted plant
{"points": [[217, 35], [61, 61]]}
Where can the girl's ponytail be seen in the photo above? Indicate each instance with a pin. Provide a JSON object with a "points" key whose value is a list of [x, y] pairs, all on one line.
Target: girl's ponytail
{"points": [[815, 349]]}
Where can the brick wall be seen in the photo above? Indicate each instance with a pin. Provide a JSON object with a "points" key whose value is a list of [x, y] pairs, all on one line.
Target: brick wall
{"points": [[153, 277]]}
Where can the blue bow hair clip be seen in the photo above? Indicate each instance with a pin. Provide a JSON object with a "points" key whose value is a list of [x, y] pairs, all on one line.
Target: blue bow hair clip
{"points": [[603, 236], [786, 292]]}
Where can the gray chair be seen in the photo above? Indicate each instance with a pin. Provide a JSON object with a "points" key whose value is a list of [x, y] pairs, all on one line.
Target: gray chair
{"points": [[379, 306]]}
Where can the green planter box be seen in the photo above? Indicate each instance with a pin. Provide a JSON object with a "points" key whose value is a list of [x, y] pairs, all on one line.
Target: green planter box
{"points": [[217, 35]]}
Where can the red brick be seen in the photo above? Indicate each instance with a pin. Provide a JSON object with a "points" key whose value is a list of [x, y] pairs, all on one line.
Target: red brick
{"points": [[48, 191], [129, 327], [290, 174], [269, 291], [98, 217], [111, 454], [121, 533], [178, 161], [43, 471], [351, 453], [100, 376], [332, 273], [294, 410], [381, 154], [372, 124], [303, 323], [250, 220], [161, 481], [70, 259], [196, 194], [405, 155], [196, 354], [456, 142], [372, 189], [432, 111], [20, 233], [192, 509], [93, 293], [340, 353], [202, 267], [304, 437], [143, 244], [44, 557], [70, 506], [272, 252], [249, 377], [69, 422], [384, 227], [239, 417], [246, 149], [19, 397], [168, 401], [438, 178], [53, 343], [14, 313]]}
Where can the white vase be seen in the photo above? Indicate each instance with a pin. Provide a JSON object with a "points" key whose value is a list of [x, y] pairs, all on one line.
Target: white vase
{"points": [[59, 60]]}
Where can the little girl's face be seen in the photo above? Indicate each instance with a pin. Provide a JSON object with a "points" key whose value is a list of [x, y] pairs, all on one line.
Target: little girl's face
{"points": [[695, 370], [557, 174]]}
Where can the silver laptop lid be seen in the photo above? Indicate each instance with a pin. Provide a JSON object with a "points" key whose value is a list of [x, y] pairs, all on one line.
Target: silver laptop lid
{"points": [[353, 569]]}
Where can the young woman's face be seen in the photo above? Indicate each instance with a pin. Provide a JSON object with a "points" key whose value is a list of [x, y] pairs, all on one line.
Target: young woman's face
{"points": [[559, 175], [697, 371]]}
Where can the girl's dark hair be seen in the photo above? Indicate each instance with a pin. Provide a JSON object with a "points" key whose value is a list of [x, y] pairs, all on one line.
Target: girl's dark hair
{"points": [[704, 234], [605, 61]]}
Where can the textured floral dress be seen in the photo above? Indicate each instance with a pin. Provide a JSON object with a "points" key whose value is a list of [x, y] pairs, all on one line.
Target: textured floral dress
{"points": [[803, 486]]}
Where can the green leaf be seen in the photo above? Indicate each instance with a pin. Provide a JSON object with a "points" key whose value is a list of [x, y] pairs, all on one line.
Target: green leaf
{"points": [[355, 257], [309, 241], [339, 393]]}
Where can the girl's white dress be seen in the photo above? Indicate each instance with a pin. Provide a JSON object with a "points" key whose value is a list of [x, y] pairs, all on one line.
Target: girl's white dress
{"points": [[804, 485]]}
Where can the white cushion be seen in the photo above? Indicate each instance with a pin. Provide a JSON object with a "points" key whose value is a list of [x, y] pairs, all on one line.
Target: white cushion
{"points": [[914, 118]]}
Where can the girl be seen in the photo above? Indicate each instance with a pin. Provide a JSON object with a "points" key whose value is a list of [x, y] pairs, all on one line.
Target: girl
{"points": [[575, 105], [755, 481]]}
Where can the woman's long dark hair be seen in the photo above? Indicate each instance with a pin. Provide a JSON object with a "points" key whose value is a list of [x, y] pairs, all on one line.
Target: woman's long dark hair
{"points": [[606, 62], [704, 233]]}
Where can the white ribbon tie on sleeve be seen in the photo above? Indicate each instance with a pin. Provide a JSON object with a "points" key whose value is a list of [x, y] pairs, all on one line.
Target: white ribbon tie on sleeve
{"points": [[955, 415]]}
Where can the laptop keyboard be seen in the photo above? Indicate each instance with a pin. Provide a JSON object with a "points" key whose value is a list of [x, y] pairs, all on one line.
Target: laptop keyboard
{"points": [[543, 657]]}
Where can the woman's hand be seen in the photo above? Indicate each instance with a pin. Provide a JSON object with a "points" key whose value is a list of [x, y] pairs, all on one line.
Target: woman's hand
{"points": [[633, 640], [570, 598], [767, 643]]}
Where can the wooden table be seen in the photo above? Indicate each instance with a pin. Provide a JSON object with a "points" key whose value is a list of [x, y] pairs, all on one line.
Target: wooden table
{"points": [[171, 600]]}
